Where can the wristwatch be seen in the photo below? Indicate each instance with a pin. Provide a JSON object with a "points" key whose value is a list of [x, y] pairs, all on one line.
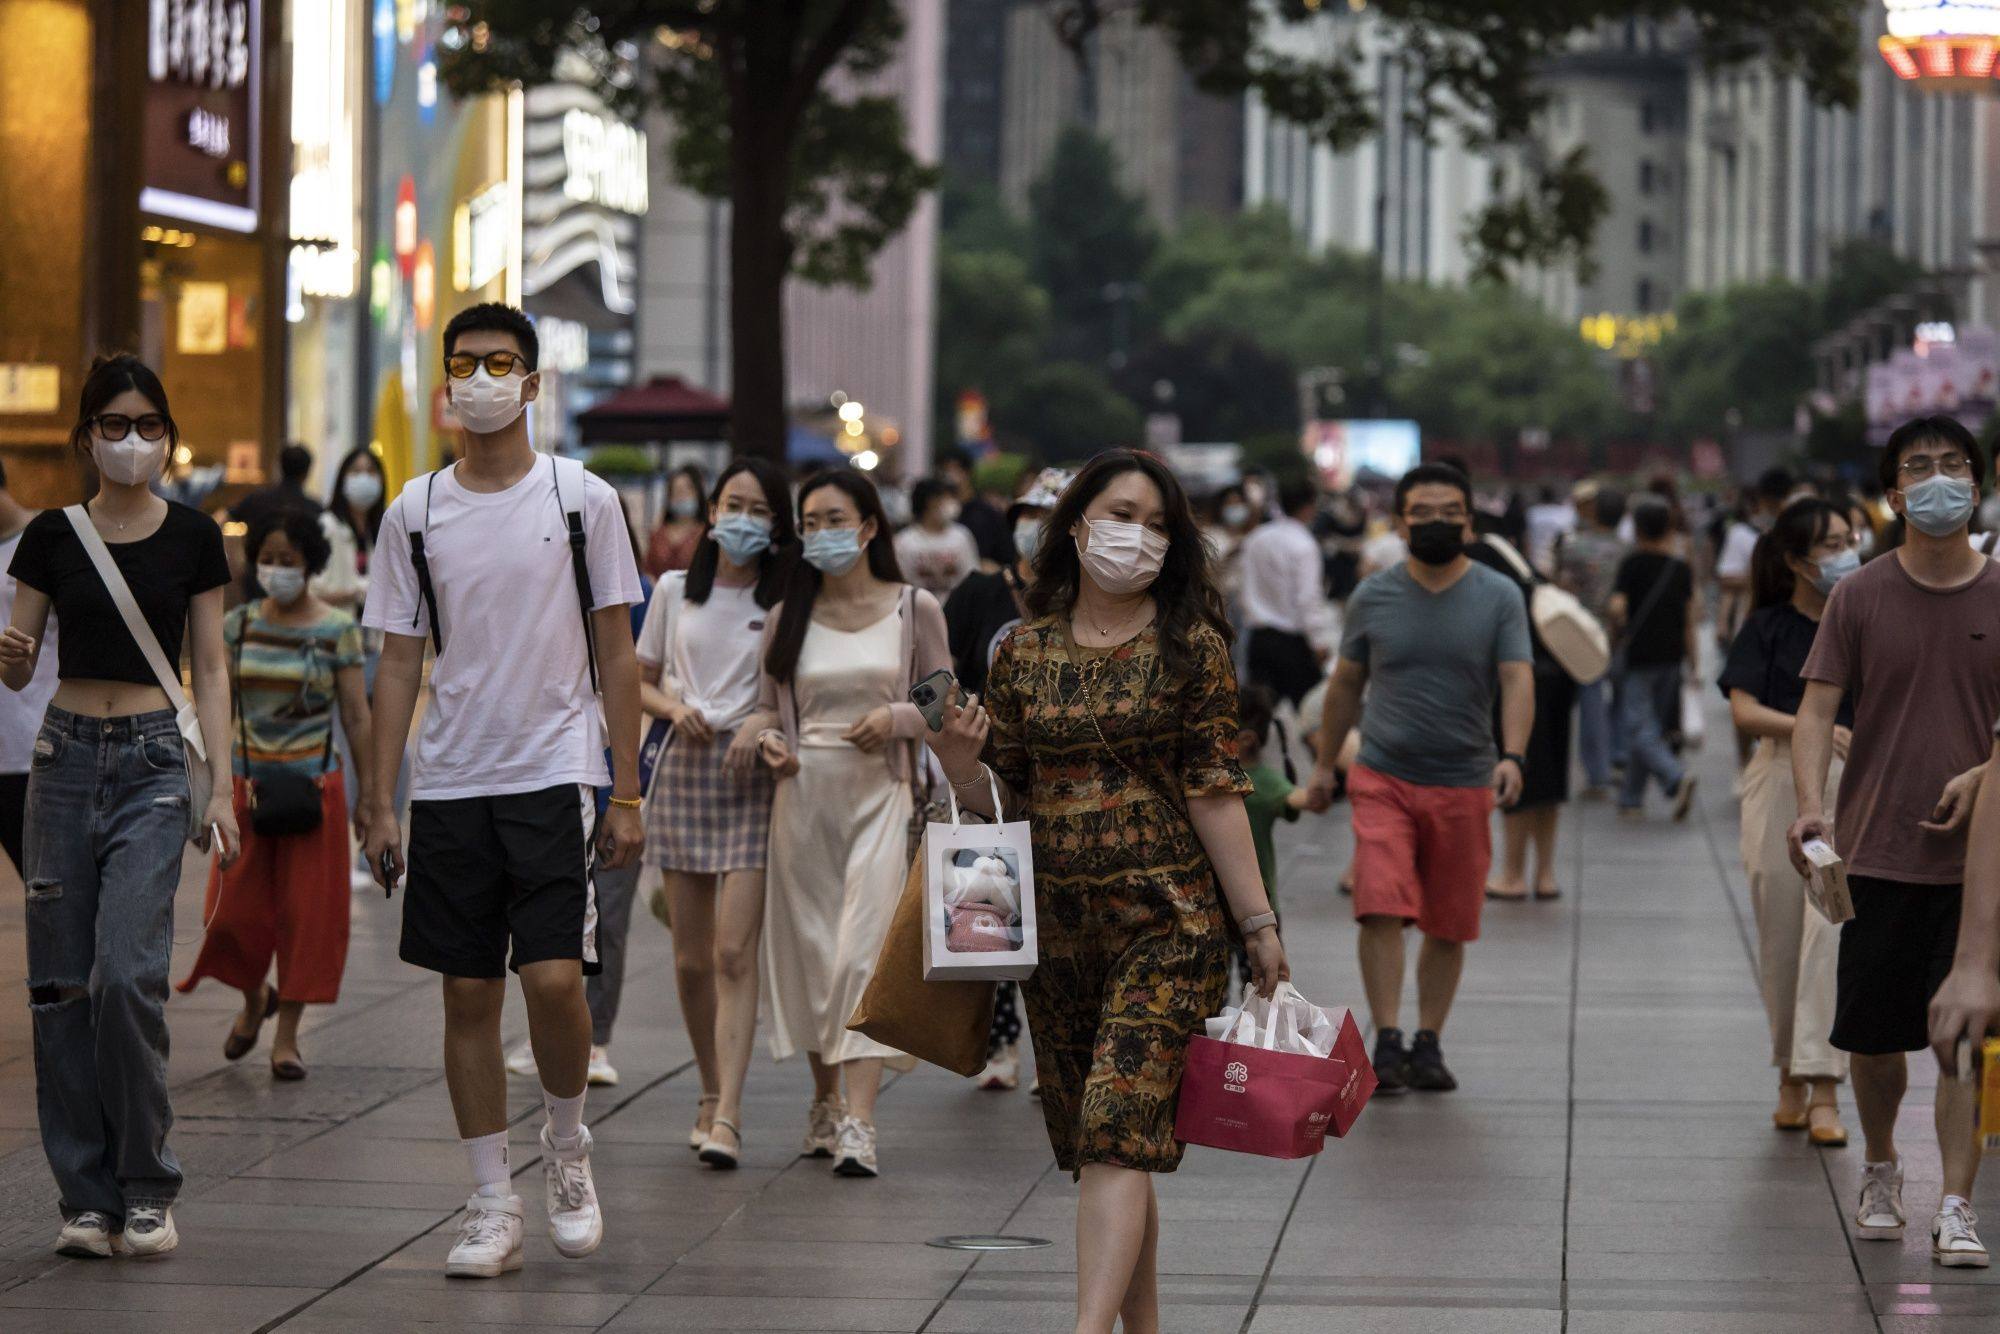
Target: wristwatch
{"points": [[1250, 926], [1520, 761]]}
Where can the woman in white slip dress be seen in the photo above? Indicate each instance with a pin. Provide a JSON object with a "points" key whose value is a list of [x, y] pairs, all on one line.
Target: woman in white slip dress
{"points": [[837, 728]]}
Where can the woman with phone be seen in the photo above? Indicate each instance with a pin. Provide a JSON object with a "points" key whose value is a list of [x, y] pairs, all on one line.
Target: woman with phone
{"points": [[100, 890], [838, 728], [708, 815], [1110, 724]]}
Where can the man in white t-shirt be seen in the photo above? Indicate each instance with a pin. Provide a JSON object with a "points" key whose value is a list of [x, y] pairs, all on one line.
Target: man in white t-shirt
{"points": [[1284, 596], [478, 558], [20, 710], [1732, 565]]}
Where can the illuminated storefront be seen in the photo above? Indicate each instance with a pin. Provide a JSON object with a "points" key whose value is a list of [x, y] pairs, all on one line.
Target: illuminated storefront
{"points": [[323, 305], [1942, 42]]}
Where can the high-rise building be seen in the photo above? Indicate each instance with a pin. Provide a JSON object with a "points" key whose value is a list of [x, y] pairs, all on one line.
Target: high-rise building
{"points": [[975, 64]]}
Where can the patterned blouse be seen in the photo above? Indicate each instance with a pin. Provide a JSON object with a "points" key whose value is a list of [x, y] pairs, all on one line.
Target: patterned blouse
{"points": [[283, 677]]}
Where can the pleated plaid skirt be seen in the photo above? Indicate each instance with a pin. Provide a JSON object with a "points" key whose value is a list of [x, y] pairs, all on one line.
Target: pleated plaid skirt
{"points": [[702, 820]]}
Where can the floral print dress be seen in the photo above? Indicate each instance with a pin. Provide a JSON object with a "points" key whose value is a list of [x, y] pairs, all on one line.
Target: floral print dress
{"points": [[1133, 943]]}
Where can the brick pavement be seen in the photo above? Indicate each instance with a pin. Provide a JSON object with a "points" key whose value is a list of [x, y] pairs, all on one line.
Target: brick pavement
{"points": [[1607, 1168]]}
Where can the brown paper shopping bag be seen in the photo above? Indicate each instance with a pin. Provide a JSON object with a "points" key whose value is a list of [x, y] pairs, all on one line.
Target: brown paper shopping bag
{"points": [[945, 1023]]}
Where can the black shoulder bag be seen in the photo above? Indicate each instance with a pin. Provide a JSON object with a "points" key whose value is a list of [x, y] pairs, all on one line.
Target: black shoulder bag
{"points": [[285, 803]]}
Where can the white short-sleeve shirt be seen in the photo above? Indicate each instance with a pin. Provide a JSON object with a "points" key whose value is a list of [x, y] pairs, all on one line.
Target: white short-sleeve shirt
{"points": [[511, 706], [21, 710], [709, 649]]}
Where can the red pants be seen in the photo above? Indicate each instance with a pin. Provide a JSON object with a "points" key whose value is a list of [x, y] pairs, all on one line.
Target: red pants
{"points": [[1421, 853], [285, 897]]}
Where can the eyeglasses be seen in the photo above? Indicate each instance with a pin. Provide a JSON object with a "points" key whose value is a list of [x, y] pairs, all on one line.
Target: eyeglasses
{"points": [[1923, 465], [461, 365], [1426, 514], [116, 426]]}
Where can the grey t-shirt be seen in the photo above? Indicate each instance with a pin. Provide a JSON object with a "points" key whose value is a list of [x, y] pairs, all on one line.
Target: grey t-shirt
{"points": [[1433, 672]]}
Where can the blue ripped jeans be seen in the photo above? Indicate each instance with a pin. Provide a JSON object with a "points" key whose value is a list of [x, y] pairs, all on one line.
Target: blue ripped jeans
{"points": [[106, 818]]}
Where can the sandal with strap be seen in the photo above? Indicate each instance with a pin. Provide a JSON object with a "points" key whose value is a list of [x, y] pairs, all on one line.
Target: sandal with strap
{"points": [[718, 1155], [237, 1046], [699, 1137]]}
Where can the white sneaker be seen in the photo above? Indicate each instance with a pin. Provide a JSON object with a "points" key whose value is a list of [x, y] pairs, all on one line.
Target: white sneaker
{"points": [[521, 1060], [602, 1073], [822, 1129], [576, 1224], [489, 1238], [1880, 1216], [1002, 1072], [88, 1236], [1954, 1244], [150, 1231], [854, 1154]]}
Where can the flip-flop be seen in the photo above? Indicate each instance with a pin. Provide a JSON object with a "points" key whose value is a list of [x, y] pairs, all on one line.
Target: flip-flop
{"points": [[288, 1070], [1540, 897], [1498, 897], [235, 1047]]}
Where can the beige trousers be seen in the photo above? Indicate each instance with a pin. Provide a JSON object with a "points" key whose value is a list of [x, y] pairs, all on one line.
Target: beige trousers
{"points": [[1797, 948]]}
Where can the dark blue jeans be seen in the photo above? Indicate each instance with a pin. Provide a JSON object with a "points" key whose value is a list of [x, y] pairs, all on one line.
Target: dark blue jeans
{"points": [[1652, 695], [106, 818]]}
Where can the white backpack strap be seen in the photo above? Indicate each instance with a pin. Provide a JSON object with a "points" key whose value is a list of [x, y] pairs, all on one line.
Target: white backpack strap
{"points": [[570, 479], [1522, 571], [168, 676]]}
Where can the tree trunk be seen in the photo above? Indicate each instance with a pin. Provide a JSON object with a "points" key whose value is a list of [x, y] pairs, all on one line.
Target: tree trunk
{"points": [[759, 260]]}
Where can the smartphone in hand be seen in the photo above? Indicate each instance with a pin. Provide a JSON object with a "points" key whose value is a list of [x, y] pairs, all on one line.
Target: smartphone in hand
{"points": [[930, 694]]}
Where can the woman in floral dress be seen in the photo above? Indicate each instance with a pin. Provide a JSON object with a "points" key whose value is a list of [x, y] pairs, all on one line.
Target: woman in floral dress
{"points": [[1110, 722]]}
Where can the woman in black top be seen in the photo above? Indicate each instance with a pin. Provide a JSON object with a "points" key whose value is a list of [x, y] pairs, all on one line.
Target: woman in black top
{"points": [[1795, 567], [108, 796]]}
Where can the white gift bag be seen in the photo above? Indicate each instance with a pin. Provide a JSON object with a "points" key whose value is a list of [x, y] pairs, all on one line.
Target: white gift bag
{"points": [[979, 899]]}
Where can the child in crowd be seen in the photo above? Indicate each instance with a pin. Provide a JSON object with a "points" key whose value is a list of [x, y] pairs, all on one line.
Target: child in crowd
{"points": [[1274, 795]]}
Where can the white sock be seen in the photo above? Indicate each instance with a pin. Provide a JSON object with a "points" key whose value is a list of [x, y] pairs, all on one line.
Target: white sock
{"points": [[488, 1155], [1946, 1203], [565, 1117]]}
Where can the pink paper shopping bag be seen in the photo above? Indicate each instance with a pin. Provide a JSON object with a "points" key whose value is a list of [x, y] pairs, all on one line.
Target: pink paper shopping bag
{"points": [[1258, 1098]]}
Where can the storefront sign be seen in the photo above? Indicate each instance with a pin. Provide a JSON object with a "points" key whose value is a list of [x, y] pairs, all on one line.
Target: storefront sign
{"points": [[324, 187], [480, 229], [605, 162], [586, 186], [202, 320], [200, 133], [27, 387], [1943, 18], [565, 344]]}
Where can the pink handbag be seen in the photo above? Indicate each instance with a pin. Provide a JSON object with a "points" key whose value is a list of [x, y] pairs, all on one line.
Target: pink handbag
{"points": [[1276, 1104]]}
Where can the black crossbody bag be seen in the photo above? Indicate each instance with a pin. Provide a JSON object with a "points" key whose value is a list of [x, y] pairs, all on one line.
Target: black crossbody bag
{"points": [[286, 803]]}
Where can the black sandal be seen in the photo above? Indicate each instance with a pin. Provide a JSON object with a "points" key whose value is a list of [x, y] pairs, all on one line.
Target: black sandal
{"points": [[288, 1070], [236, 1046]]}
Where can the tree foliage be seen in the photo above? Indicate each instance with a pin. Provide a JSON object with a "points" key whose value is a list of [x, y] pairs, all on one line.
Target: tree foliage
{"points": [[1473, 63], [1089, 242]]}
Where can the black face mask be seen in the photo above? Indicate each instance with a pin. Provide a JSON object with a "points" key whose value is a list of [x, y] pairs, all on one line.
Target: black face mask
{"points": [[1437, 543]]}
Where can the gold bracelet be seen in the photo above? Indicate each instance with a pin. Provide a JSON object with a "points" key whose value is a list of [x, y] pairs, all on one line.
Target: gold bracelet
{"points": [[973, 781], [629, 803]]}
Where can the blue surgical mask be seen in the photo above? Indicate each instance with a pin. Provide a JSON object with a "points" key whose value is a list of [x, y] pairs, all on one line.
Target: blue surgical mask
{"points": [[743, 537], [283, 582], [1939, 505], [1835, 568], [1028, 538], [833, 550]]}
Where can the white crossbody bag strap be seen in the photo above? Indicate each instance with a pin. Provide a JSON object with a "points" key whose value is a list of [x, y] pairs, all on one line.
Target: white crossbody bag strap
{"points": [[142, 633]]}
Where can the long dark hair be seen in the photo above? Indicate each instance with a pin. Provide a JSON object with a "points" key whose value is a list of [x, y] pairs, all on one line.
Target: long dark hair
{"points": [[366, 531], [108, 378], [803, 581], [1185, 592], [695, 479], [1799, 527], [771, 565]]}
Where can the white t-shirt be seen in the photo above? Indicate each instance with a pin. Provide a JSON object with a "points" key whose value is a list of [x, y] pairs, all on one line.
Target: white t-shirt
{"points": [[511, 706], [1282, 587], [937, 562], [21, 710], [1737, 546], [709, 649]]}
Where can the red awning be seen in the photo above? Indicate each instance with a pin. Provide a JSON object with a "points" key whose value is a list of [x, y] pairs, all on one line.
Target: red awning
{"points": [[665, 407]]}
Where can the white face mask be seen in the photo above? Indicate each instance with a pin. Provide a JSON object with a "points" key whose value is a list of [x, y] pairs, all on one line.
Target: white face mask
{"points": [[1122, 558], [361, 489], [282, 582], [485, 404], [131, 461]]}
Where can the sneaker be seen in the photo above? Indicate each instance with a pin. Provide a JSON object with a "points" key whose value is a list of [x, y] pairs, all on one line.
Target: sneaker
{"points": [[854, 1156], [150, 1231], [1002, 1072], [1880, 1215], [576, 1224], [823, 1129], [489, 1238], [603, 1074], [521, 1061], [1035, 1088], [88, 1236], [1427, 1068], [1954, 1244], [1392, 1062], [1684, 798]]}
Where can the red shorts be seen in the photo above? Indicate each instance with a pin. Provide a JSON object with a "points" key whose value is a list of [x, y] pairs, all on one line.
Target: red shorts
{"points": [[1421, 853]]}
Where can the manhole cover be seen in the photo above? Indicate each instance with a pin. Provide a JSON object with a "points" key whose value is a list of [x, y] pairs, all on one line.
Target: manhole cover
{"points": [[994, 1243]]}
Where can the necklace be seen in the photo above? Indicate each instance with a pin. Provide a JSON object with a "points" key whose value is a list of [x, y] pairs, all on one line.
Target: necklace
{"points": [[1103, 631], [99, 514]]}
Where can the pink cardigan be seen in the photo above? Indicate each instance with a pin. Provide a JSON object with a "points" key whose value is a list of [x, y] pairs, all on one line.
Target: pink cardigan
{"points": [[926, 649]]}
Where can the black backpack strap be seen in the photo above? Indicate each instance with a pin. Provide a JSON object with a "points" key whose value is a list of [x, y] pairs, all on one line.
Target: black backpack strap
{"points": [[579, 561], [422, 565]]}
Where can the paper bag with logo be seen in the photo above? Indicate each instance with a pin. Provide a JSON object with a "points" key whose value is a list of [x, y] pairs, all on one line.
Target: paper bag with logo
{"points": [[979, 899], [1283, 1074], [945, 1023]]}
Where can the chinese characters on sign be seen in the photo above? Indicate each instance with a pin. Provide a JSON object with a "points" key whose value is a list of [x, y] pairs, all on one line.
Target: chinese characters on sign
{"points": [[201, 42]]}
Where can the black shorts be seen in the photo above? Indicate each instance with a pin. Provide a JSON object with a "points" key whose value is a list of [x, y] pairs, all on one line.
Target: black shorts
{"points": [[489, 871], [1894, 955], [1284, 662]]}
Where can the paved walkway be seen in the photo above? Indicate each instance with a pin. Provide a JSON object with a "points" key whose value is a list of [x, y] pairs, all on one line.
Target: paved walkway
{"points": [[1608, 1167]]}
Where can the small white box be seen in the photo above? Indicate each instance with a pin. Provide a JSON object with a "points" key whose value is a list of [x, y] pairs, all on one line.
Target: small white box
{"points": [[1826, 887]]}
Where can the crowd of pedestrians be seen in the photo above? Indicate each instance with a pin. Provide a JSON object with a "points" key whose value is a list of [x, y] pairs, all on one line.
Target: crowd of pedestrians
{"points": [[726, 714]]}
